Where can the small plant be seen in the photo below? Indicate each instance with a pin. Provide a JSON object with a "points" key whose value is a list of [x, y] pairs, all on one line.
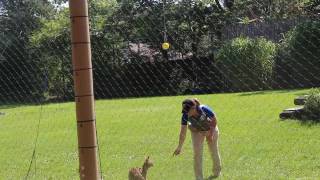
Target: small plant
{"points": [[312, 106]]}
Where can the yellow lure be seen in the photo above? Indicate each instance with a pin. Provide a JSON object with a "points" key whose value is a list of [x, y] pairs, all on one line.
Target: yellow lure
{"points": [[165, 45]]}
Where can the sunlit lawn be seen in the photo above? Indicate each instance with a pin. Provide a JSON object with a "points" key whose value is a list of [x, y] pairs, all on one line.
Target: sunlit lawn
{"points": [[254, 143]]}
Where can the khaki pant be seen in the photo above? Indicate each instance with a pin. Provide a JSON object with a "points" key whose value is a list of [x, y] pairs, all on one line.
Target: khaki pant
{"points": [[197, 141]]}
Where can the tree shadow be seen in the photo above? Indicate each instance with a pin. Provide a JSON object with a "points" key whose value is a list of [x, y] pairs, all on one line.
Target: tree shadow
{"points": [[38, 103], [309, 123], [263, 92], [11, 106], [295, 91], [301, 93], [211, 177], [303, 122], [252, 93]]}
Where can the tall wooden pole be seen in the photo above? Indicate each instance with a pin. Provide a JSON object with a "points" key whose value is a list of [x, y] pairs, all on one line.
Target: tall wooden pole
{"points": [[83, 86]]}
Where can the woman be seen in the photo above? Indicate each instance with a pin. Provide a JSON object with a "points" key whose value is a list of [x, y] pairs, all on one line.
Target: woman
{"points": [[202, 123]]}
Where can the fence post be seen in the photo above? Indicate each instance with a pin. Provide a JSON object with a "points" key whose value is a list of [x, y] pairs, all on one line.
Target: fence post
{"points": [[83, 86]]}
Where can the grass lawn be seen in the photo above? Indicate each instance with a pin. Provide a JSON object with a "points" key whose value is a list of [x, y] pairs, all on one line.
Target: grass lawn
{"points": [[254, 143]]}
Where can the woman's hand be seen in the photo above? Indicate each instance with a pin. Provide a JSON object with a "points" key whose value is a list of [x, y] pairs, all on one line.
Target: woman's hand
{"points": [[177, 151], [210, 134]]}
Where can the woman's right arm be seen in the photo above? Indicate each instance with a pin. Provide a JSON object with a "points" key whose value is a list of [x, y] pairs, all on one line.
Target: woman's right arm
{"points": [[182, 137]]}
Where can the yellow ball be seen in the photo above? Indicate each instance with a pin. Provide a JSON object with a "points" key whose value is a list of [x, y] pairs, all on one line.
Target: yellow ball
{"points": [[165, 45]]}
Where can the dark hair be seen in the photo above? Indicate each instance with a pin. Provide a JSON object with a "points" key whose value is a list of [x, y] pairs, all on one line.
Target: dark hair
{"points": [[188, 103]]}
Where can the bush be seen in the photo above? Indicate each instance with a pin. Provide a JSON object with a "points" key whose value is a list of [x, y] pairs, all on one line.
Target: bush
{"points": [[312, 106], [247, 64], [297, 62]]}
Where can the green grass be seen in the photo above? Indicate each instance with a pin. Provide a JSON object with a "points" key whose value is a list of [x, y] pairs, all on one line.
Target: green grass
{"points": [[254, 143]]}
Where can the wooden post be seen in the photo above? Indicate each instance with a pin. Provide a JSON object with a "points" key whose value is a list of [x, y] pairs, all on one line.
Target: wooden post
{"points": [[83, 87]]}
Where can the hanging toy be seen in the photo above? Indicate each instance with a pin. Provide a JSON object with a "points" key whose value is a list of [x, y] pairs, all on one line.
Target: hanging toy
{"points": [[165, 44]]}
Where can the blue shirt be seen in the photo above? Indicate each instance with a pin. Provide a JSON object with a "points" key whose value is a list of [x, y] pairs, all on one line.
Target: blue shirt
{"points": [[206, 109]]}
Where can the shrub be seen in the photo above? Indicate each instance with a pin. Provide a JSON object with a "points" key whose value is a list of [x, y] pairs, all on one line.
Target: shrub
{"points": [[312, 106], [297, 62], [247, 64]]}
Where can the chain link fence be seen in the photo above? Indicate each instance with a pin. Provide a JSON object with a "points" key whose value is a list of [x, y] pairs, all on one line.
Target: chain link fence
{"points": [[249, 49]]}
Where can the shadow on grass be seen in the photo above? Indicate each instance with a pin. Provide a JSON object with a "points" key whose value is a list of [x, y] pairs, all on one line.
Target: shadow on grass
{"points": [[38, 103], [301, 93], [18, 105], [304, 122], [252, 93], [11, 106], [296, 92], [211, 177], [309, 123], [264, 92]]}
